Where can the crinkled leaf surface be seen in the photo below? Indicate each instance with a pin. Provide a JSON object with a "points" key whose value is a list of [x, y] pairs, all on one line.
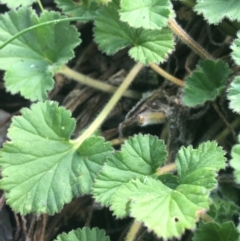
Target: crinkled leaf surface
{"points": [[233, 95], [215, 232], [18, 3], [147, 14], [85, 9], [85, 234], [167, 212], [215, 10], [206, 83], [112, 35], [31, 60], [140, 156], [236, 49], [41, 168], [199, 166], [235, 161]]}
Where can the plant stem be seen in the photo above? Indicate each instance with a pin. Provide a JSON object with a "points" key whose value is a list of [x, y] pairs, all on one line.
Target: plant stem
{"points": [[83, 79], [110, 105], [166, 75], [135, 227], [188, 40], [40, 5], [166, 169]]}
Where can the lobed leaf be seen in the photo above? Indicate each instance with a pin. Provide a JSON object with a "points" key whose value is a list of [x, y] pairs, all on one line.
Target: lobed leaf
{"points": [[84, 234], [236, 49], [31, 60], [147, 14], [206, 83], [233, 95], [140, 156], [234, 163], [15, 4], [41, 168], [199, 166], [215, 10], [216, 232], [85, 9], [147, 46]]}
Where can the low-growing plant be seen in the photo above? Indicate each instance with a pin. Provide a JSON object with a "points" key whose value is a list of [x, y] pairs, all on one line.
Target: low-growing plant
{"points": [[44, 168]]}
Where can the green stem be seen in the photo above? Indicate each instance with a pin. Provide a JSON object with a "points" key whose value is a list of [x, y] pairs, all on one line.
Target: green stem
{"points": [[110, 105], [135, 227], [40, 5], [83, 79], [39, 26]]}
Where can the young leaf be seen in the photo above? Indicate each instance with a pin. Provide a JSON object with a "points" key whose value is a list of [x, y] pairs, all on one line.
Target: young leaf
{"points": [[234, 163], [167, 212], [140, 156], [41, 168], [236, 49], [146, 14], [147, 46], [206, 83], [85, 9], [215, 10], [199, 166], [32, 59], [216, 232], [233, 95], [15, 4], [85, 234]]}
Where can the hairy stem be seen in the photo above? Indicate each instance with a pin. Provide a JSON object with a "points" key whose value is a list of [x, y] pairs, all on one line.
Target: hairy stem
{"points": [[188, 40], [83, 79], [110, 105], [166, 169], [134, 229], [166, 75]]}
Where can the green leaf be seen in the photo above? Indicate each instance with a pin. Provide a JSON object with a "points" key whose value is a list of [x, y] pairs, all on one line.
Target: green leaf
{"points": [[236, 49], [32, 59], [140, 156], [164, 211], [85, 234], [215, 10], [85, 9], [233, 95], [199, 166], [147, 46], [215, 232], [235, 163], [206, 83], [147, 14], [41, 168], [18, 3]]}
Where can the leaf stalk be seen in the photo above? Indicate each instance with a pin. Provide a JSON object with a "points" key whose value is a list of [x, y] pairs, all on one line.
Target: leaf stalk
{"points": [[134, 229]]}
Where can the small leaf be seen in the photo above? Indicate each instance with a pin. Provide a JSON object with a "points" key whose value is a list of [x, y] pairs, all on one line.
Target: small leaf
{"points": [[199, 166], [85, 9], [236, 49], [165, 211], [235, 163], [215, 232], [85, 234], [18, 3], [32, 59], [147, 46], [215, 10], [141, 155], [233, 95], [206, 83], [41, 168], [146, 14]]}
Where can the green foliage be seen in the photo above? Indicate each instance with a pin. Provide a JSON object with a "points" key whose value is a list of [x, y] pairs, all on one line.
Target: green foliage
{"points": [[233, 94], [15, 4], [235, 160], [84, 234], [236, 49], [30, 61], [42, 169], [206, 83], [215, 10]]}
